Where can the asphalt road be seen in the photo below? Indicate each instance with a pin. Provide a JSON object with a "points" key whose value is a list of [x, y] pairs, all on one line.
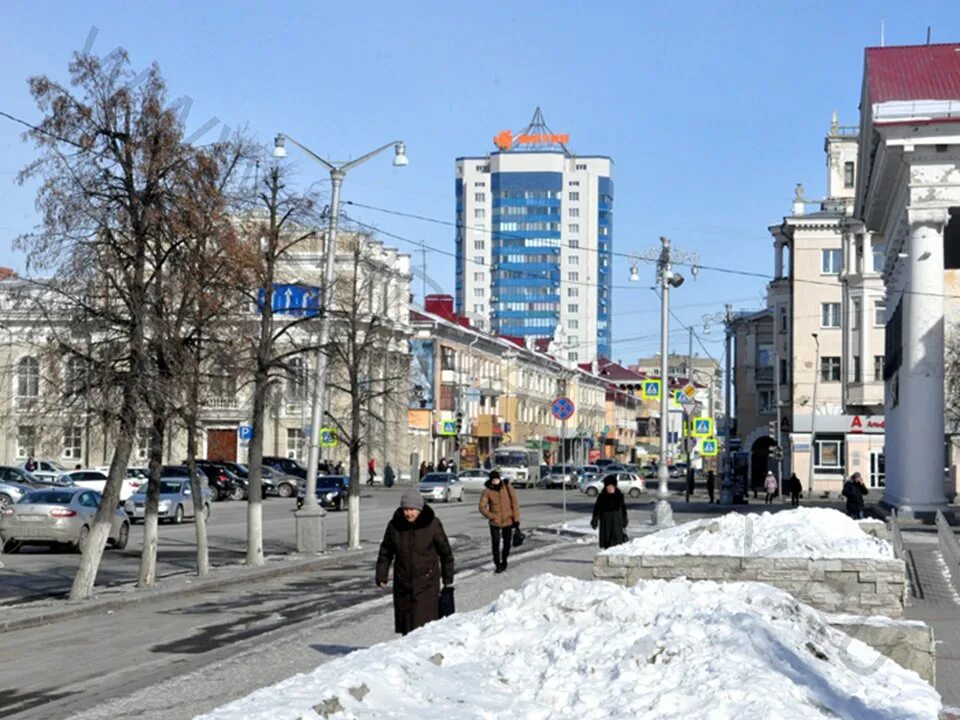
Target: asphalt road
{"points": [[39, 572], [78, 664]]}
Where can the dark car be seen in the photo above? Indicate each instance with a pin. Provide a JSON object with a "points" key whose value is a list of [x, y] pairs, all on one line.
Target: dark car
{"points": [[274, 482], [331, 491], [223, 484], [287, 466], [220, 486]]}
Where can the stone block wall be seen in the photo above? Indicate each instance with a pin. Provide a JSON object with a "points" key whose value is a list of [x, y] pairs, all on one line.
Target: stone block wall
{"points": [[855, 586], [907, 642]]}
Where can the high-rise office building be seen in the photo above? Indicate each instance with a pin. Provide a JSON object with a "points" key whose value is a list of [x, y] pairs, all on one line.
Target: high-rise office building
{"points": [[534, 242]]}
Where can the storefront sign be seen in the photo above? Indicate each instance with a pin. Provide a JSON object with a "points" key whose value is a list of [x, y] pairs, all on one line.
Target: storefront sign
{"points": [[867, 423]]}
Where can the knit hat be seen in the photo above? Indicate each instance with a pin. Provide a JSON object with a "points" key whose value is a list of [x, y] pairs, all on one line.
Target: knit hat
{"points": [[412, 499], [494, 474], [610, 480]]}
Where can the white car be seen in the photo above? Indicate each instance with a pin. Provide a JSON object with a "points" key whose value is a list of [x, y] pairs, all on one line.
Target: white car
{"points": [[97, 480], [629, 484], [441, 486], [47, 470], [474, 480]]}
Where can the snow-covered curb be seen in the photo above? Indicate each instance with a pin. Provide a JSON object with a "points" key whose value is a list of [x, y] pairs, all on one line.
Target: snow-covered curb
{"points": [[565, 648], [814, 533]]}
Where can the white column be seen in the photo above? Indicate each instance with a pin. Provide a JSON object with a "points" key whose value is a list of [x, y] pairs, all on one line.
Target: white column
{"points": [[777, 259], [867, 258], [866, 327], [917, 426]]}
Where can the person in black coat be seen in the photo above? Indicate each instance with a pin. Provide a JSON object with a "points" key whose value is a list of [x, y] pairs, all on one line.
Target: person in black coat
{"points": [[795, 487], [711, 484], [417, 546], [853, 491], [610, 514]]}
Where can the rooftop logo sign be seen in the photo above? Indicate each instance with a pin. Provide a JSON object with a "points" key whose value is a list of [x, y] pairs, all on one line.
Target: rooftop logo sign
{"points": [[505, 140]]}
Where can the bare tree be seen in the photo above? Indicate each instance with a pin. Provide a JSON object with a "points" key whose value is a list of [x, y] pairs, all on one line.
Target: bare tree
{"points": [[951, 390], [362, 367]]}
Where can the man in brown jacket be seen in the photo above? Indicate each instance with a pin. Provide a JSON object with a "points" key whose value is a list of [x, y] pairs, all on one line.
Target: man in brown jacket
{"points": [[500, 506], [418, 548]]}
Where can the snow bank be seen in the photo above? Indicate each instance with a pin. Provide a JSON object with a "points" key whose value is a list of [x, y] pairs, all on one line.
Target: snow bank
{"points": [[815, 533], [564, 648]]}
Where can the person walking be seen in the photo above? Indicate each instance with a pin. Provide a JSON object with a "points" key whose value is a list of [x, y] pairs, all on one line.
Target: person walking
{"points": [[770, 485], [389, 476], [711, 484], [423, 468], [853, 490], [442, 465], [31, 465], [338, 470], [610, 514], [795, 487], [500, 506], [371, 471], [417, 546]]}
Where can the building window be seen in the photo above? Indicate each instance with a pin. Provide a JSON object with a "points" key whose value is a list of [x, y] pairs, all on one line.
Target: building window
{"points": [[830, 369], [828, 454], [879, 253], [783, 318], [74, 377], [574, 197], [295, 443], [478, 309], [879, 310], [296, 380], [72, 442], [573, 276], [28, 378], [572, 356], [766, 401], [581, 166], [784, 372], [479, 245], [573, 292], [479, 292], [573, 259], [480, 183], [479, 213], [573, 309], [573, 324], [573, 228], [480, 197], [574, 183], [830, 260], [848, 174], [855, 320], [572, 340], [878, 368], [574, 212], [448, 359], [830, 315], [478, 277], [856, 369], [26, 441], [574, 244]]}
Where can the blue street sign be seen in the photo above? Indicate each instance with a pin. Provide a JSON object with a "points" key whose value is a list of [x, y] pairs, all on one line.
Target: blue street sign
{"points": [[299, 300], [328, 437], [245, 432], [702, 426], [562, 408], [708, 447], [651, 389]]}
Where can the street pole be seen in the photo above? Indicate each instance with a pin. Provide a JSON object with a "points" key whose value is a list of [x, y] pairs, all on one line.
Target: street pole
{"points": [[309, 519], [563, 467], [663, 514], [726, 482], [813, 414], [776, 398]]}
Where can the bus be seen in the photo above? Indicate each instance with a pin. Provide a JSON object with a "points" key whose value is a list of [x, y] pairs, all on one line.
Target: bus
{"points": [[519, 464]]}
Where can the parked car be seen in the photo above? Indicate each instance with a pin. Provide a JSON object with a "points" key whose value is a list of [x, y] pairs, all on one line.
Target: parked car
{"points": [[19, 476], [288, 466], [561, 475], [58, 516], [604, 462], [586, 473], [46, 470], [176, 501], [441, 486], [96, 480], [678, 470], [629, 483], [331, 491], [223, 484], [274, 481], [11, 493], [473, 480]]}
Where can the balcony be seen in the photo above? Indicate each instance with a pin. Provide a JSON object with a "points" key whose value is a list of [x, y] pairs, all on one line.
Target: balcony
{"points": [[221, 402], [763, 374], [865, 394], [491, 387]]}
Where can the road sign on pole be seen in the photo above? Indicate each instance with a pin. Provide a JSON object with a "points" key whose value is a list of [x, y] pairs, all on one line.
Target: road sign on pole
{"points": [[299, 300], [651, 389], [563, 408], [328, 437], [245, 433], [709, 447], [702, 427]]}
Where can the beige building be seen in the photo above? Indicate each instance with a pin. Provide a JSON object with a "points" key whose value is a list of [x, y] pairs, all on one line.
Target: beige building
{"points": [[706, 373]]}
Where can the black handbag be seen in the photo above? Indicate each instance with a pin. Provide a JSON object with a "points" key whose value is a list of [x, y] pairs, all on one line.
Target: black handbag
{"points": [[518, 537], [445, 603]]}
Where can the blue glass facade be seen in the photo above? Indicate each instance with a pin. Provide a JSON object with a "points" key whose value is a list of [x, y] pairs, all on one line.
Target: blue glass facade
{"points": [[604, 259], [525, 282]]}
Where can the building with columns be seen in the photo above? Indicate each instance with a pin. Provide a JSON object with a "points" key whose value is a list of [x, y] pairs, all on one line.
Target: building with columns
{"points": [[908, 197]]}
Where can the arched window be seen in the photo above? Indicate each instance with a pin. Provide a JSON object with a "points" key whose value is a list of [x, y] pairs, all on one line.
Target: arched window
{"points": [[28, 378]]}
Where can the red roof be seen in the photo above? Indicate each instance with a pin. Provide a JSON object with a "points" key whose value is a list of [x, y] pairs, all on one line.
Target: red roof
{"points": [[913, 72], [616, 372]]}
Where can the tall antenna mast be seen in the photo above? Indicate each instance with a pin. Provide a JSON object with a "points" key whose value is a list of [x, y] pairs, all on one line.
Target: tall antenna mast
{"points": [[881, 31]]}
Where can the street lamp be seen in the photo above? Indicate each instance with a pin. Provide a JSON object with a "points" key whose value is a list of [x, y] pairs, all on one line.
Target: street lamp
{"points": [[309, 517]]}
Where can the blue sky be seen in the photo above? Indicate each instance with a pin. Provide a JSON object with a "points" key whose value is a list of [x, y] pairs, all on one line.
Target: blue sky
{"points": [[711, 111]]}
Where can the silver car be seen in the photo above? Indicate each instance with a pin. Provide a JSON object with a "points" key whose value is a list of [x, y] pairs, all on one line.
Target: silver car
{"points": [[58, 515], [474, 480], [628, 483], [441, 486], [11, 493], [176, 501]]}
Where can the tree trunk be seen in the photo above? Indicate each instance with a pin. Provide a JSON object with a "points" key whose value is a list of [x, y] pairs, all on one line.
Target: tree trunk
{"points": [[353, 509], [254, 472], [196, 487], [148, 556]]}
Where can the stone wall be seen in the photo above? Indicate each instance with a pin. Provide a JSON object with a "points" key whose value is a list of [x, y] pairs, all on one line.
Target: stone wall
{"points": [[907, 642], [873, 587]]}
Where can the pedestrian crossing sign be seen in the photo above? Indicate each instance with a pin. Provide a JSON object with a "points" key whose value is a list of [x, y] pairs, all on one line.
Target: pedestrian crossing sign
{"points": [[651, 389], [679, 397], [708, 447], [702, 427], [328, 437], [447, 427]]}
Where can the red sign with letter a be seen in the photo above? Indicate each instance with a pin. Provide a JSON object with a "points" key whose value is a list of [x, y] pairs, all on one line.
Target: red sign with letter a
{"points": [[856, 425]]}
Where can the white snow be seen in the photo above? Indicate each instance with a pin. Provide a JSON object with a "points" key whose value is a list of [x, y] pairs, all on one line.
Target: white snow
{"points": [[816, 533], [565, 648]]}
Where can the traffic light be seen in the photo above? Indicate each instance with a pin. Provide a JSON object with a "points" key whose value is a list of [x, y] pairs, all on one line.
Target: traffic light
{"points": [[459, 423], [772, 428]]}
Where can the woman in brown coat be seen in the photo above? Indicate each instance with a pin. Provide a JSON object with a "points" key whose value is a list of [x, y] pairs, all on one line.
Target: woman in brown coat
{"points": [[500, 506], [418, 548]]}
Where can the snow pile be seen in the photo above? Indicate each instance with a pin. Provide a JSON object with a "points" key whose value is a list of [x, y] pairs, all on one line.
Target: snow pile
{"points": [[566, 648], [815, 533]]}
